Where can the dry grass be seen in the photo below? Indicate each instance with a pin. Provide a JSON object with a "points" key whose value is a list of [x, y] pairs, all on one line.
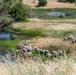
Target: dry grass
{"points": [[35, 24], [45, 42], [56, 67], [50, 4]]}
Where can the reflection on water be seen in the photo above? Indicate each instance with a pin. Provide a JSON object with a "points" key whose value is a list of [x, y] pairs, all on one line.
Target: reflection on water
{"points": [[57, 14]]}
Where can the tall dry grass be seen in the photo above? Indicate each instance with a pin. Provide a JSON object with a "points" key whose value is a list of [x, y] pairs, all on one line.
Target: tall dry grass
{"points": [[55, 67]]}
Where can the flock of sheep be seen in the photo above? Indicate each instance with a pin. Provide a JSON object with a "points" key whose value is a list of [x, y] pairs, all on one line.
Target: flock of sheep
{"points": [[72, 38], [25, 50]]}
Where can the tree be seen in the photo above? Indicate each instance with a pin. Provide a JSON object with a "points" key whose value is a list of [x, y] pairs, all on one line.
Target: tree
{"points": [[71, 1], [12, 10], [20, 12], [42, 2]]}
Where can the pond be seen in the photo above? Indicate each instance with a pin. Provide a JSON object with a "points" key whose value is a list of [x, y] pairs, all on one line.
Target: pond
{"points": [[64, 14], [5, 36], [10, 36]]}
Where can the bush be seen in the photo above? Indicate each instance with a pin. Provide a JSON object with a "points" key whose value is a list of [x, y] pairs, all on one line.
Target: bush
{"points": [[71, 1], [42, 2], [20, 11], [61, 16], [61, 0]]}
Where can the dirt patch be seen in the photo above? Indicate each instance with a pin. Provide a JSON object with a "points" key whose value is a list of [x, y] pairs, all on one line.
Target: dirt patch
{"points": [[50, 4], [44, 42], [47, 41]]}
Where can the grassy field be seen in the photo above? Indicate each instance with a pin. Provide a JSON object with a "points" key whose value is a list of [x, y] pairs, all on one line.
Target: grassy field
{"points": [[42, 32], [52, 31], [53, 28]]}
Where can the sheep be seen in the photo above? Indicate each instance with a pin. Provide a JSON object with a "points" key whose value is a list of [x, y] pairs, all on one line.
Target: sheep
{"points": [[74, 40], [60, 52], [55, 54]]}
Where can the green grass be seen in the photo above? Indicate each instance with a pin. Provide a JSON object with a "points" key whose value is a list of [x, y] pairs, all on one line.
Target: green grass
{"points": [[30, 33], [55, 9], [9, 45], [59, 33]]}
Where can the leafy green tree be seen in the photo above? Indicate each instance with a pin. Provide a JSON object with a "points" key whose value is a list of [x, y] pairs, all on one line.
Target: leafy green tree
{"points": [[42, 2], [20, 12], [12, 10]]}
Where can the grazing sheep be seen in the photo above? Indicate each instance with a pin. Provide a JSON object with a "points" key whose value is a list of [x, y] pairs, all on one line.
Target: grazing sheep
{"points": [[19, 46], [39, 51], [74, 40], [65, 38], [60, 52], [46, 51], [55, 54], [68, 38], [27, 42], [49, 54], [28, 48], [69, 55], [28, 54], [24, 50]]}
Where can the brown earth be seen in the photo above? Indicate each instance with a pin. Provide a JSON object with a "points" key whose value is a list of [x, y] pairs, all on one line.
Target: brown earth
{"points": [[47, 41], [50, 4]]}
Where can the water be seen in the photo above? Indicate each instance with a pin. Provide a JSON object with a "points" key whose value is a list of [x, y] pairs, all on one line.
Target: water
{"points": [[57, 14], [9, 36], [5, 36]]}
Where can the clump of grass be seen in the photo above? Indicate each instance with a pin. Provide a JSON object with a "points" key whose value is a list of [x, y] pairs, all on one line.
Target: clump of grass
{"points": [[31, 33]]}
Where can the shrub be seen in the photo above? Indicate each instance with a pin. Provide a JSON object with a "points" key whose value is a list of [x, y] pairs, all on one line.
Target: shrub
{"points": [[71, 1], [61, 16], [19, 11], [42, 2], [61, 0]]}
